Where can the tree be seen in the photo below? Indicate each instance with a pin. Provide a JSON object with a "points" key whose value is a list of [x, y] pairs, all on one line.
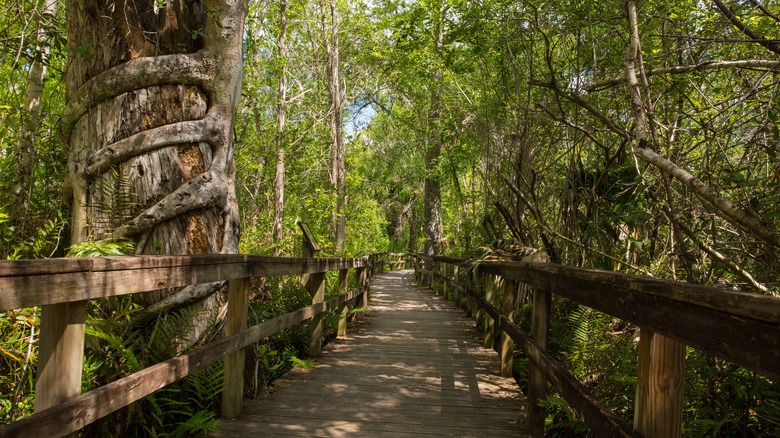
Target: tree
{"points": [[151, 99], [280, 120], [26, 154], [330, 29]]}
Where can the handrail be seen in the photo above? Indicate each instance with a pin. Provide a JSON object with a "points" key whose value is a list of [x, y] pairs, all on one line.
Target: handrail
{"points": [[29, 283], [743, 328]]}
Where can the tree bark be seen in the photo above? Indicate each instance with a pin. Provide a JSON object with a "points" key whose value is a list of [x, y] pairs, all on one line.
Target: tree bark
{"points": [[152, 95], [723, 207], [433, 228], [278, 230], [337, 153], [26, 155]]}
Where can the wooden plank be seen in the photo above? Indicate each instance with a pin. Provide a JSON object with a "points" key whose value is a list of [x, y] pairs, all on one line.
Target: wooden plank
{"points": [[599, 418], [60, 354], [280, 265], [77, 412], [316, 287], [749, 342], [642, 381], [416, 367], [235, 321], [443, 267], [508, 311], [606, 283], [29, 283], [659, 414], [454, 285], [537, 383], [492, 285], [343, 309]]}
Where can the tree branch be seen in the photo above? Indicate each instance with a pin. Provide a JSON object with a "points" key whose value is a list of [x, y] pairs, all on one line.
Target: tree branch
{"points": [[612, 126], [682, 69], [733, 267], [724, 208], [771, 45]]}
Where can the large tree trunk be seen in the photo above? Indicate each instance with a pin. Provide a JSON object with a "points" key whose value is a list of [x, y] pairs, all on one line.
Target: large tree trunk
{"points": [[280, 121], [152, 97], [338, 179], [151, 100]]}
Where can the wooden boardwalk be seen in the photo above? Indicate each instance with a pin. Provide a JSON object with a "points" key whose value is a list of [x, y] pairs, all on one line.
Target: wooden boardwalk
{"points": [[416, 368]]}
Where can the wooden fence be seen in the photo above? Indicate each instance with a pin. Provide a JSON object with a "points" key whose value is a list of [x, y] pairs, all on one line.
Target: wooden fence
{"points": [[743, 328], [63, 286]]}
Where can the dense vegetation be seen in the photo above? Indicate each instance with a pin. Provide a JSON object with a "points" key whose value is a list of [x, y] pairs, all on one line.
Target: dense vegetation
{"points": [[646, 145]]}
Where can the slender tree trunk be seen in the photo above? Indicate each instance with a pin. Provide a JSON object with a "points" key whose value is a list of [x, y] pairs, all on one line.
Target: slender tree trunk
{"points": [[26, 155], [280, 121], [433, 228], [335, 123]]}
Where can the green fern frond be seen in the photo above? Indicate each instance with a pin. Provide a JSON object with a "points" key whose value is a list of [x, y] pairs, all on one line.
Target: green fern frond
{"points": [[200, 423], [97, 248]]}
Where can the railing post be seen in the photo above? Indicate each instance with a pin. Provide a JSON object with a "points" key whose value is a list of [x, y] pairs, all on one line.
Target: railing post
{"points": [[445, 289], [659, 389], [343, 309], [434, 272], [360, 276], [537, 384], [493, 283], [235, 321], [61, 353], [456, 285], [316, 287], [508, 310], [472, 310]]}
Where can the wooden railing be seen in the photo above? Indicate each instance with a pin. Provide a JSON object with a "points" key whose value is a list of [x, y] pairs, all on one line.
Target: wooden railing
{"points": [[743, 328], [63, 287]]}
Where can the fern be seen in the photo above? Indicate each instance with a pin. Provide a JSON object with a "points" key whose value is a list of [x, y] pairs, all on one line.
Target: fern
{"points": [[111, 204], [97, 248], [199, 423]]}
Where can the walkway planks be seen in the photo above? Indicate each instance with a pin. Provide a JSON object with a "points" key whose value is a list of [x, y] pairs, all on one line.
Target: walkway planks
{"points": [[415, 369]]}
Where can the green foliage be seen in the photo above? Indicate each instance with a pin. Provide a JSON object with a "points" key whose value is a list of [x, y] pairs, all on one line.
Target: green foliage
{"points": [[18, 358], [119, 343], [107, 247], [44, 243]]}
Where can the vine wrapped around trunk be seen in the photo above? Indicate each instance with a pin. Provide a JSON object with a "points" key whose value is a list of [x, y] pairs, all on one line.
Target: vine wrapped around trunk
{"points": [[152, 95]]}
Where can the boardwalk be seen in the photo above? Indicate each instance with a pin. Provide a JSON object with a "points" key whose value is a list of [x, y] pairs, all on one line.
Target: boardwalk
{"points": [[415, 369]]}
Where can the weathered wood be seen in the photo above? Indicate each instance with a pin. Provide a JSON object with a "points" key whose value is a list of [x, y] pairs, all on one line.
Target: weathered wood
{"points": [[316, 287], [492, 285], [537, 383], [343, 309], [443, 267], [544, 275], [749, 342], [662, 370], [235, 321], [642, 380], [28, 283], [599, 418], [310, 245], [77, 412], [455, 285], [60, 353], [508, 311], [393, 378]]}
